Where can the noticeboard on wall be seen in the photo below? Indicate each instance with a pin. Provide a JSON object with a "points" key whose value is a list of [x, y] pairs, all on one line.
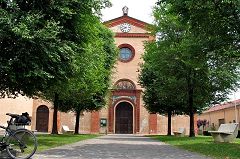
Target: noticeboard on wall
{"points": [[103, 122]]}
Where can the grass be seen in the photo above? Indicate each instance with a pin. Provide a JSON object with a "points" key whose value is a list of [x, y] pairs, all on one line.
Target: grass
{"points": [[204, 145], [49, 141]]}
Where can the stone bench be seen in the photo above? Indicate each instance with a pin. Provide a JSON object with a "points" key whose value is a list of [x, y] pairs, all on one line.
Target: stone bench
{"points": [[66, 129], [180, 133], [225, 133]]}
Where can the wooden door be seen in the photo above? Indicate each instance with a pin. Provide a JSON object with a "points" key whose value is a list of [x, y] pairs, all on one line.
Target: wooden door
{"points": [[124, 118], [42, 118]]}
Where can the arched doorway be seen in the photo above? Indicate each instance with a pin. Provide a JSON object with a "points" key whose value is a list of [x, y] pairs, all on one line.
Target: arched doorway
{"points": [[42, 118], [124, 118]]}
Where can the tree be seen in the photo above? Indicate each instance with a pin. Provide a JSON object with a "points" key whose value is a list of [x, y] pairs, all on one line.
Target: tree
{"points": [[40, 42], [183, 55], [89, 87], [33, 56], [80, 23], [160, 94], [211, 20], [215, 27]]}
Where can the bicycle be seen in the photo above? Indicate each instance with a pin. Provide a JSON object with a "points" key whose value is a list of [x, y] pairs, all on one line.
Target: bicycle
{"points": [[18, 143]]}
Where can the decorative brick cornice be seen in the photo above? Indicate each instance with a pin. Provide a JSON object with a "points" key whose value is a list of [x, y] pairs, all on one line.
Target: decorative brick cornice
{"points": [[125, 92], [133, 35]]}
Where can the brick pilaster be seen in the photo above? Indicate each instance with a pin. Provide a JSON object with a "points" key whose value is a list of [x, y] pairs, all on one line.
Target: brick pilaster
{"points": [[137, 111], [152, 123], [95, 125]]}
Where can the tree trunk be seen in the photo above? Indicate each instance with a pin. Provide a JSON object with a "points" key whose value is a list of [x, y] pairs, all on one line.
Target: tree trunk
{"points": [[55, 112], [169, 123], [190, 104], [192, 132], [77, 122]]}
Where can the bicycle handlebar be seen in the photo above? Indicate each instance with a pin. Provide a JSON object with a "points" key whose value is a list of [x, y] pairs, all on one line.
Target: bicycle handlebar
{"points": [[12, 115]]}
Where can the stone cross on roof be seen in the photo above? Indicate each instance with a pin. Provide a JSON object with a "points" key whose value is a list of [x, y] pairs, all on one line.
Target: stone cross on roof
{"points": [[125, 10]]}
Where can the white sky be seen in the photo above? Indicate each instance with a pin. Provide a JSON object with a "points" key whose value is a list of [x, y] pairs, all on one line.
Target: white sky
{"points": [[139, 9], [237, 95]]}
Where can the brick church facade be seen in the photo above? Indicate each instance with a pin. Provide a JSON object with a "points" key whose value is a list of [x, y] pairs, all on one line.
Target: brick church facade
{"points": [[125, 112]]}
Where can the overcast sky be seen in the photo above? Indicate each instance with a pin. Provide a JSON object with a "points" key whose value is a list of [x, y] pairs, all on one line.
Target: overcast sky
{"points": [[139, 9]]}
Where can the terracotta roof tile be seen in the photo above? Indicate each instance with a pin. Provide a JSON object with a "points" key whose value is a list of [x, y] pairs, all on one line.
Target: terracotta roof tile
{"points": [[223, 106]]}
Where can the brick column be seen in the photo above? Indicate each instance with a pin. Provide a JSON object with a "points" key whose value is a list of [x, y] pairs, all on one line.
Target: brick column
{"points": [[110, 119], [95, 125], [152, 123], [59, 122], [110, 115], [195, 124], [137, 111]]}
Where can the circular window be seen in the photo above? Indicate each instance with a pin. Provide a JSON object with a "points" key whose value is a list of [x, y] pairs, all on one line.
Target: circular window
{"points": [[126, 53]]}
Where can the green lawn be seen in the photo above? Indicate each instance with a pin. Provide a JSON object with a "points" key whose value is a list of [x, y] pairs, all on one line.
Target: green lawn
{"points": [[49, 141], [205, 145]]}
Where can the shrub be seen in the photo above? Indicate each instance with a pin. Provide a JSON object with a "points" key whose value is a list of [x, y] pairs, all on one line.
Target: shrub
{"points": [[206, 133], [203, 123]]}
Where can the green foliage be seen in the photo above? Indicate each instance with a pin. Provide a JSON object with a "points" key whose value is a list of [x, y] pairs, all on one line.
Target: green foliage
{"points": [[38, 40], [214, 34], [57, 50], [88, 88], [192, 64], [32, 54], [161, 93], [214, 23]]}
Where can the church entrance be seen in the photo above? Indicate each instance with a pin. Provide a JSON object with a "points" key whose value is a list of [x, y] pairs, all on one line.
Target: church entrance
{"points": [[124, 118], [42, 118]]}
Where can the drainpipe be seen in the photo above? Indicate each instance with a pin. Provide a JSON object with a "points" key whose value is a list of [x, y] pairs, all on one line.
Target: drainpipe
{"points": [[224, 116], [235, 107], [210, 120]]}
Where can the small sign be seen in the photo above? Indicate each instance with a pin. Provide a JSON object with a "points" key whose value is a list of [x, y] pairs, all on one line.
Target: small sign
{"points": [[103, 122]]}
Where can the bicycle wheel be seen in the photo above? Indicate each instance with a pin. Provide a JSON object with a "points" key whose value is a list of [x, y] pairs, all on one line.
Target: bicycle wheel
{"points": [[22, 144]]}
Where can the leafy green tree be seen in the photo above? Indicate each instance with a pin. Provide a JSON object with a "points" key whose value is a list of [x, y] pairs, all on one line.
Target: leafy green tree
{"points": [[161, 94], [33, 56], [89, 87], [81, 24], [40, 43], [215, 25], [216, 22], [195, 69]]}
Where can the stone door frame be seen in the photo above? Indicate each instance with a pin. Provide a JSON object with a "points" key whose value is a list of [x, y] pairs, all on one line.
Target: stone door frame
{"points": [[130, 96]]}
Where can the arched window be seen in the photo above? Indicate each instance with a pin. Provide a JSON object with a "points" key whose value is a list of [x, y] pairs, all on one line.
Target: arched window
{"points": [[125, 84]]}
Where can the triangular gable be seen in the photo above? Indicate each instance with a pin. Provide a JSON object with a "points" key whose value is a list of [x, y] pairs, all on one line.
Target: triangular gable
{"points": [[126, 19]]}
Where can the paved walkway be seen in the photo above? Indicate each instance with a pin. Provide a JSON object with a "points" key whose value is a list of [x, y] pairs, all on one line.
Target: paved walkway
{"points": [[118, 147]]}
